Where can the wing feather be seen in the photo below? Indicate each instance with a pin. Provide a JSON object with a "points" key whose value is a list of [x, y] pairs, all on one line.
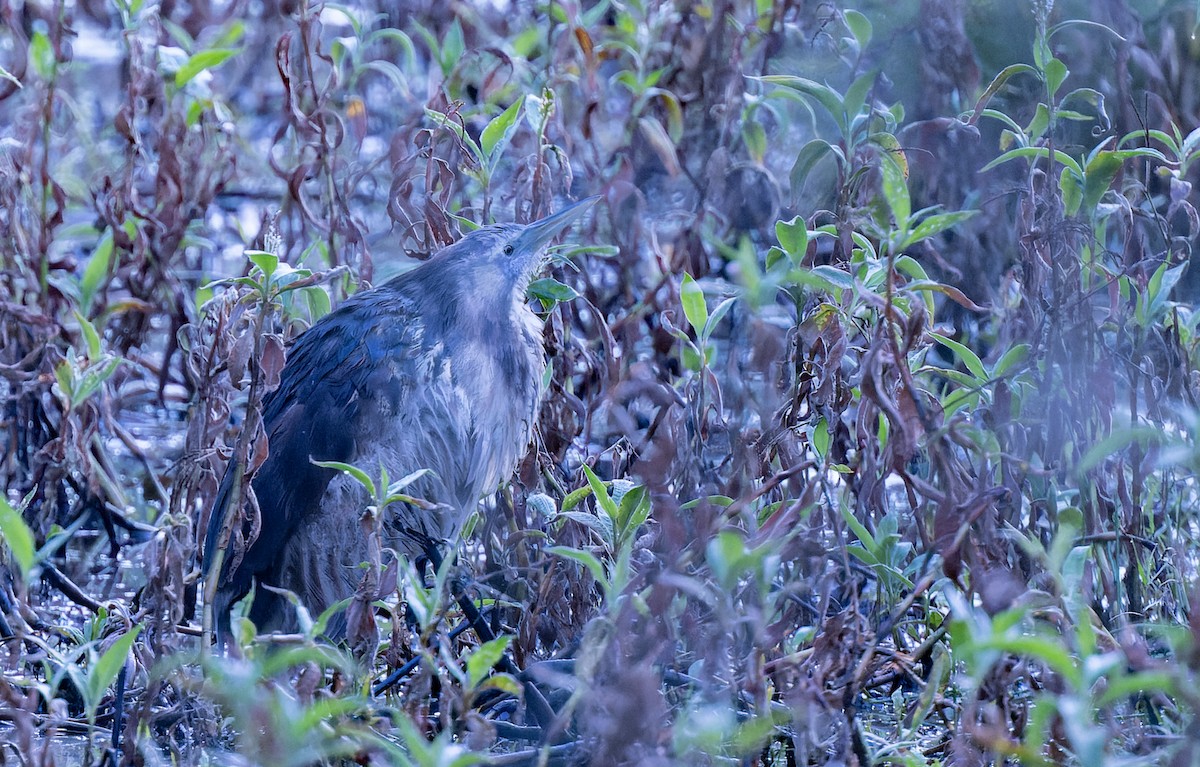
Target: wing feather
{"points": [[328, 385]]}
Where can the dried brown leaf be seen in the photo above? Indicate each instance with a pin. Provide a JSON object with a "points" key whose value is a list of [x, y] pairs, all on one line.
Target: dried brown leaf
{"points": [[273, 359], [660, 143]]}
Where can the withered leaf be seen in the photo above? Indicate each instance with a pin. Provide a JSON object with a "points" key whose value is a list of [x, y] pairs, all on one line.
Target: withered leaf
{"points": [[660, 143], [585, 42], [273, 358], [239, 355]]}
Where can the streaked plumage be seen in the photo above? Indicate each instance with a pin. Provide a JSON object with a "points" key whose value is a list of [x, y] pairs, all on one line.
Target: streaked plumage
{"points": [[438, 369]]}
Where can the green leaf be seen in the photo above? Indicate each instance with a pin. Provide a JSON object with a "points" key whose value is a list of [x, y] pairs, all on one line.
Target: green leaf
{"points": [[390, 71], [1156, 135], [1092, 98], [824, 277], [18, 536], [808, 157], [318, 302], [266, 261], [585, 558], [674, 112], [104, 673], [1011, 358], [232, 35], [723, 501], [1092, 25], [694, 306], [839, 277], [348, 16], [550, 291], [504, 683], [93, 378], [59, 537], [808, 278], [862, 533], [940, 675], [859, 26], [775, 257], [246, 282], [64, 376], [575, 497], [1190, 145], [935, 224], [895, 191], [1118, 440], [717, 315], [1071, 114], [1041, 52], [633, 511], [601, 526], [1036, 153], [1098, 176], [353, 471], [968, 357], [199, 62], [1072, 192], [694, 359], [1118, 688], [793, 238], [406, 480], [1056, 72], [965, 380], [41, 55], [856, 94], [315, 714], [1159, 288], [484, 659], [725, 554], [957, 399], [603, 499], [96, 270], [497, 133], [822, 94], [996, 84], [453, 47], [195, 111], [90, 336], [820, 437], [1038, 125], [1048, 651], [464, 223], [755, 139], [455, 126]]}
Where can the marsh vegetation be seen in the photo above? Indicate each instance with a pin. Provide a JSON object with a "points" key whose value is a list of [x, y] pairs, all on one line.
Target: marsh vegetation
{"points": [[869, 434]]}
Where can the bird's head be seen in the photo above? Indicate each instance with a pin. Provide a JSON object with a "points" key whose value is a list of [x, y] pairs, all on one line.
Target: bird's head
{"points": [[505, 257]]}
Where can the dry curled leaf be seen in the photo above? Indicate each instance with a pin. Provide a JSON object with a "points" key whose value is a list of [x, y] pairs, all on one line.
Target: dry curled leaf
{"points": [[273, 359]]}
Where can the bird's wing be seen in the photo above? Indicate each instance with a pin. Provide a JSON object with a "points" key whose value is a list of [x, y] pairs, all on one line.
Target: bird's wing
{"points": [[333, 372]]}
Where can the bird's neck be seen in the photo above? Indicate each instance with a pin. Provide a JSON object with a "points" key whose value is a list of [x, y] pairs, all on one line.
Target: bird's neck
{"points": [[479, 304]]}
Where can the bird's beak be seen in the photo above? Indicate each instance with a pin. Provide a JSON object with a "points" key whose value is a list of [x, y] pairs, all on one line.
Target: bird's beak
{"points": [[539, 234]]}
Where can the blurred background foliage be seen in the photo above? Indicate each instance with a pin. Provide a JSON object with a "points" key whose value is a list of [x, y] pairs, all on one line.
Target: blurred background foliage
{"points": [[869, 435]]}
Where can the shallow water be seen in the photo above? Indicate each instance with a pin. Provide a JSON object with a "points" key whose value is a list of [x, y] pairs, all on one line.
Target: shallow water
{"points": [[60, 750]]}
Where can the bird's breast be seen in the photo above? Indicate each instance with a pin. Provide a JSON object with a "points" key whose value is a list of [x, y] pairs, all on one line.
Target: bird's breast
{"points": [[462, 406], [499, 381]]}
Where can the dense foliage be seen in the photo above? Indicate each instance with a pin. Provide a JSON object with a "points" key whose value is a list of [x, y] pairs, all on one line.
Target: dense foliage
{"points": [[870, 428]]}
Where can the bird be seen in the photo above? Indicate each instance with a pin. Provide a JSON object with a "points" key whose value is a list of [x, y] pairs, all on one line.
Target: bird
{"points": [[438, 369]]}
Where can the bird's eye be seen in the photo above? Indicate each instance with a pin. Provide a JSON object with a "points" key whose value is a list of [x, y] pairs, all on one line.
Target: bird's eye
{"points": [[508, 250]]}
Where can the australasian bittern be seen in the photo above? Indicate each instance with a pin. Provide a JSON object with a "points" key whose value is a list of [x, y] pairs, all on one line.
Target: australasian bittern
{"points": [[441, 369]]}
